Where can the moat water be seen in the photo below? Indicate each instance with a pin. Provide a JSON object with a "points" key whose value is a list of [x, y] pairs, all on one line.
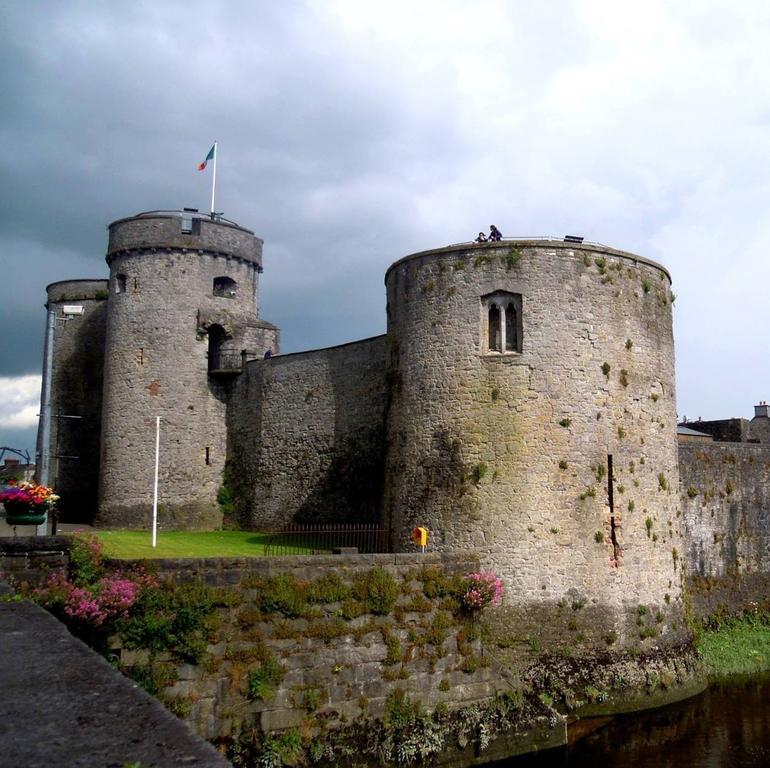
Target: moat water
{"points": [[727, 726]]}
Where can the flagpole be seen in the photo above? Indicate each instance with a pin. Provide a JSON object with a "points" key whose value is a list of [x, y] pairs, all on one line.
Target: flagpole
{"points": [[155, 485], [214, 180]]}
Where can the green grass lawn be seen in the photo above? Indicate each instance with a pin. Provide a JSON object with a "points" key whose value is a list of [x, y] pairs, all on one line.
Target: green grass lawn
{"points": [[741, 647], [138, 544]]}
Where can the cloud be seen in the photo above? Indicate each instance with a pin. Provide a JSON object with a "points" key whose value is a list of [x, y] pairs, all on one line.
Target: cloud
{"points": [[19, 401], [352, 134]]}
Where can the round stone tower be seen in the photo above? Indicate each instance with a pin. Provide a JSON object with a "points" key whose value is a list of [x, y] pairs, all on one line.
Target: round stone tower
{"points": [[68, 435], [532, 420], [182, 318]]}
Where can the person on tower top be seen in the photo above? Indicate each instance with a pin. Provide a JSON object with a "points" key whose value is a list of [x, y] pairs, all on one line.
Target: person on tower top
{"points": [[482, 238], [494, 234]]}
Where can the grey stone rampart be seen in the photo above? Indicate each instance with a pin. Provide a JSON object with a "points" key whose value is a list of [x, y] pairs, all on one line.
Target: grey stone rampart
{"points": [[78, 367], [506, 454], [166, 325], [306, 436], [163, 231], [725, 498]]}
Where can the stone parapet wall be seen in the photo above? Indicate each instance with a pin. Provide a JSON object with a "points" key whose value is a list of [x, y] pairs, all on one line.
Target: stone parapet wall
{"points": [[31, 559], [231, 571], [65, 705], [306, 437], [163, 230]]}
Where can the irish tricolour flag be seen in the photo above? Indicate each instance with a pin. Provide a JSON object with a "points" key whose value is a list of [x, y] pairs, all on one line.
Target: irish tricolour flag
{"points": [[210, 156]]}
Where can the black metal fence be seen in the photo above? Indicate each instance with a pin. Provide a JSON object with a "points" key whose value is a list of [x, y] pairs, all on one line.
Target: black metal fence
{"points": [[225, 361], [326, 539]]}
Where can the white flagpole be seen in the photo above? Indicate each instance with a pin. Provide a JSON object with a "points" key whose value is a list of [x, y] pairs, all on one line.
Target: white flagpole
{"points": [[155, 490], [214, 180]]}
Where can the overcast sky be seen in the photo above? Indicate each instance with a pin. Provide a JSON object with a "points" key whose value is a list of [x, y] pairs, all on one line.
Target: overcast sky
{"points": [[350, 137]]}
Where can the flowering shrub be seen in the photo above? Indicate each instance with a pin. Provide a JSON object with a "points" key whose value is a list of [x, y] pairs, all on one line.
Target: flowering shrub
{"points": [[482, 589], [28, 493], [89, 598], [86, 559]]}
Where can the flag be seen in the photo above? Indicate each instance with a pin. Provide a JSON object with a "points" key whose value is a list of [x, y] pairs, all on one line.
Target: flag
{"points": [[210, 156]]}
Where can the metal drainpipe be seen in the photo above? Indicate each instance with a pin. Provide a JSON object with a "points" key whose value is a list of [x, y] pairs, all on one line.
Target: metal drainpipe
{"points": [[44, 448]]}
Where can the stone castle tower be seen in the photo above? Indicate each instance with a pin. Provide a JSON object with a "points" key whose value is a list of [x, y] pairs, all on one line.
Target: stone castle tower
{"points": [[532, 415], [77, 313], [183, 305], [165, 336]]}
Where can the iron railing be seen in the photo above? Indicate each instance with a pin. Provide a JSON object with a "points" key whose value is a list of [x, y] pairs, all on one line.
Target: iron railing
{"points": [[225, 361], [325, 539]]}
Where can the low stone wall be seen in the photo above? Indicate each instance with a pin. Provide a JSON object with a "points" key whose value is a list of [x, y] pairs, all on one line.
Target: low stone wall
{"points": [[29, 559]]}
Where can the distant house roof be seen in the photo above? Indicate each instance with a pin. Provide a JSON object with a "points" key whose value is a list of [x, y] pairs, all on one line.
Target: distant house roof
{"points": [[680, 430], [19, 471]]}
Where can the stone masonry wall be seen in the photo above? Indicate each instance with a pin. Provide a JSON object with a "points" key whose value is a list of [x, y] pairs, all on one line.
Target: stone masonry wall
{"points": [[159, 338], [78, 367], [725, 499], [306, 437], [507, 454], [339, 667]]}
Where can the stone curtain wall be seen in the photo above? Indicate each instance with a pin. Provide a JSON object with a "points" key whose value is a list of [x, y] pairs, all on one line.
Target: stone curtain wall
{"points": [[306, 437], [157, 365], [725, 499], [78, 368], [506, 455]]}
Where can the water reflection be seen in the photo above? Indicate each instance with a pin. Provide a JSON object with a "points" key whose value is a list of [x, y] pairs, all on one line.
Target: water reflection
{"points": [[724, 727]]}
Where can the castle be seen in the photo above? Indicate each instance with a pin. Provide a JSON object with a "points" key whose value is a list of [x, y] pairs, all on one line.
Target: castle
{"points": [[520, 405]]}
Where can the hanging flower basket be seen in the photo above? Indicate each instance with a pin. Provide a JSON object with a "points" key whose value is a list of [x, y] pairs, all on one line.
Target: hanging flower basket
{"points": [[22, 513], [26, 503]]}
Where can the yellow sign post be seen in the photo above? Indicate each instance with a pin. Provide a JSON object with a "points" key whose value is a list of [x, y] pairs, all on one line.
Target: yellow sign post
{"points": [[420, 537]]}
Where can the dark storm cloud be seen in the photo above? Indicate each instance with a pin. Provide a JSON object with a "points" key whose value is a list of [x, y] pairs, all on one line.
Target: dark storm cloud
{"points": [[352, 134], [111, 110]]}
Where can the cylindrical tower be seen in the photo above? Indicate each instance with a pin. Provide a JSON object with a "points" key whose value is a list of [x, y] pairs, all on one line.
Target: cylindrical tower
{"points": [[183, 315], [533, 420], [77, 317]]}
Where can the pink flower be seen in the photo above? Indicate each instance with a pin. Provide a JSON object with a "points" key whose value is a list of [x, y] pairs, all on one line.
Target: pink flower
{"points": [[484, 588]]}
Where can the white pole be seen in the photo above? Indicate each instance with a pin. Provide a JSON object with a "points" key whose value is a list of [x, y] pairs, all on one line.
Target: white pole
{"points": [[214, 180], [155, 490]]}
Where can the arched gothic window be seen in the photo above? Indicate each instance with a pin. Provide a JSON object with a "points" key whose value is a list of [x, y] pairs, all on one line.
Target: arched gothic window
{"points": [[511, 328], [502, 323], [495, 335]]}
